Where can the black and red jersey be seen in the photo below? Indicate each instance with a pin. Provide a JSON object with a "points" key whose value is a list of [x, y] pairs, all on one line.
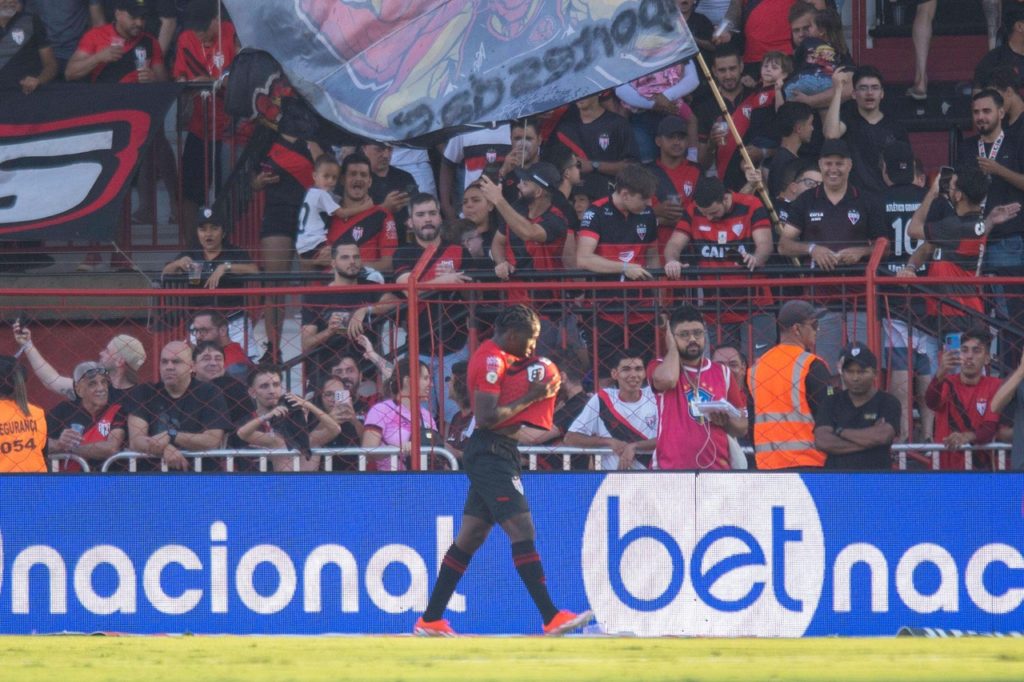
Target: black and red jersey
{"points": [[373, 230], [722, 243], [544, 255], [292, 163], [443, 329], [142, 49], [486, 369], [957, 240], [516, 383], [677, 182]]}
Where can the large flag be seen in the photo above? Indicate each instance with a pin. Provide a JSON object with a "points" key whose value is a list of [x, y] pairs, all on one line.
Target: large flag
{"points": [[68, 153], [401, 69]]}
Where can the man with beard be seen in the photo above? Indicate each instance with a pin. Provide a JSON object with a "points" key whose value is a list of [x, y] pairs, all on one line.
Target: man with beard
{"points": [[119, 52], [1001, 157], [688, 437], [717, 147], [855, 428], [866, 129], [443, 327], [525, 152], [391, 187], [121, 357], [677, 177], [370, 226], [789, 384], [333, 320], [177, 413]]}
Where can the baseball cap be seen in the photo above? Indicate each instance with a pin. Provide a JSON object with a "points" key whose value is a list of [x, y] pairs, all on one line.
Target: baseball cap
{"points": [[207, 215], [670, 125], [543, 173], [795, 312], [130, 349], [899, 161], [136, 8], [198, 15], [835, 148], [860, 354], [89, 368]]}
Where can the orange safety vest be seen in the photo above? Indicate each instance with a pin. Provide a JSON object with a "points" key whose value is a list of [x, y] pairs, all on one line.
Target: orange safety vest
{"points": [[783, 423], [22, 438]]}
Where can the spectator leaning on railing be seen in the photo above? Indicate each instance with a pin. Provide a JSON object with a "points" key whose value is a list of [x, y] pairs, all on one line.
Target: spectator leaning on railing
{"points": [[177, 413], [92, 426], [28, 60]]}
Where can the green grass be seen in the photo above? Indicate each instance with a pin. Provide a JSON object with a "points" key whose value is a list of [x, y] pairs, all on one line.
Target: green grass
{"points": [[473, 659]]}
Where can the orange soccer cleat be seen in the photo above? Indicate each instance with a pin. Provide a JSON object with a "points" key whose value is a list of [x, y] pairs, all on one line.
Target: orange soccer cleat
{"points": [[432, 628], [567, 621]]}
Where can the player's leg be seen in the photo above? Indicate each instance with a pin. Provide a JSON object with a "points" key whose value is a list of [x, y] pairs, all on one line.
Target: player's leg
{"points": [[471, 535]]}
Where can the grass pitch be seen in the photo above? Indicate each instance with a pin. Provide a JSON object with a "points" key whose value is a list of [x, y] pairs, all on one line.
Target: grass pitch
{"points": [[280, 659]]}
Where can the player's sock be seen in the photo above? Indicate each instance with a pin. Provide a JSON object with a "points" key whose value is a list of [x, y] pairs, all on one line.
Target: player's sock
{"points": [[527, 561], [452, 567]]}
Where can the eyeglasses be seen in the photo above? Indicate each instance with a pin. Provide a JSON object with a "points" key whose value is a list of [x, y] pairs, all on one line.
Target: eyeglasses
{"points": [[99, 371], [694, 334]]}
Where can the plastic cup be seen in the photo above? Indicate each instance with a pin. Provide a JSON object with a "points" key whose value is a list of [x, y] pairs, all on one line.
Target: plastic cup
{"points": [[195, 273]]}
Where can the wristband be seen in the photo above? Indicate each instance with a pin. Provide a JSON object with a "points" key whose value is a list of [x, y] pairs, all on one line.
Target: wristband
{"points": [[810, 248]]}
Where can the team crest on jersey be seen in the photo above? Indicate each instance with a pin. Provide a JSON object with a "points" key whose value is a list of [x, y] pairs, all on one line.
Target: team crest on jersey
{"points": [[626, 256], [357, 232], [982, 406], [104, 428], [737, 229], [447, 265], [854, 216], [763, 99], [603, 141], [688, 188], [140, 55], [391, 230], [979, 228], [491, 155], [535, 372], [641, 231], [18, 36], [747, 111]]}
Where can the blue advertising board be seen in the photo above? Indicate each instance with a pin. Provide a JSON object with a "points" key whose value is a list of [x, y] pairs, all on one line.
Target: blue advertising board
{"points": [[689, 554]]}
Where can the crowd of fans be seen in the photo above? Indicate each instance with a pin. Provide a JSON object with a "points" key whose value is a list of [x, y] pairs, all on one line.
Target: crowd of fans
{"points": [[642, 182]]}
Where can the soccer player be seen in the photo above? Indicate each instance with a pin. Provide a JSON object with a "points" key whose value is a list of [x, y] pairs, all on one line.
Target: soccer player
{"points": [[502, 402]]}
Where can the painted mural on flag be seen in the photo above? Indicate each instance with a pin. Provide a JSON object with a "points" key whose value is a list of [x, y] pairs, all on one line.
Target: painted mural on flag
{"points": [[68, 154], [402, 69]]}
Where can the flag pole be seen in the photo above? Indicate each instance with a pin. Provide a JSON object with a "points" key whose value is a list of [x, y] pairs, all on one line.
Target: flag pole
{"points": [[759, 187]]}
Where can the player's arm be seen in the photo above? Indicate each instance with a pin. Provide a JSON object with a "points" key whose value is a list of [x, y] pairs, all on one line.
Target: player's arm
{"points": [[489, 413]]}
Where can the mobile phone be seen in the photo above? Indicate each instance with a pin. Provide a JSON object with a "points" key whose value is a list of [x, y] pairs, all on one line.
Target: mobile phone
{"points": [[945, 175], [266, 168], [953, 341], [342, 396], [412, 189]]}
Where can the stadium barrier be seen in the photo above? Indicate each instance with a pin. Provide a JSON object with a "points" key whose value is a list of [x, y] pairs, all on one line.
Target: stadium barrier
{"points": [[582, 318], [225, 459], [677, 554]]}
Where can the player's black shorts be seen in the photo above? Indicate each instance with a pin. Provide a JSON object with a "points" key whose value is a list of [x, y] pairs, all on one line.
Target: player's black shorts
{"points": [[495, 489]]}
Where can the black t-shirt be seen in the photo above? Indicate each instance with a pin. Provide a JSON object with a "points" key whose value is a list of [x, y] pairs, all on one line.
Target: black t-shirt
{"points": [[607, 138], [228, 254], [838, 411], [782, 158], [700, 26], [97, 428], [397, 180], [817, 385], [855, 221], [867, 140], [444, 325], [20, 42], [1011, 156], [237, 398], [1001, 56], [200, 408], [559, 201], [899, 203], [317, 310]]}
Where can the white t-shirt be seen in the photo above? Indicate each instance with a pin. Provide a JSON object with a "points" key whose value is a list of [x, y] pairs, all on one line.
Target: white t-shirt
{"points": [[476, 149], [317, 206], [642, 415]]}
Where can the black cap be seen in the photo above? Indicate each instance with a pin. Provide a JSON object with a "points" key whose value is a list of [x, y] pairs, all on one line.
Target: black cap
{"points": [[899, 161], [859, 354], [198, 15], [136, 8], [670, 125], [835, 148], [796, 312], [209, 216], [543, 173]]}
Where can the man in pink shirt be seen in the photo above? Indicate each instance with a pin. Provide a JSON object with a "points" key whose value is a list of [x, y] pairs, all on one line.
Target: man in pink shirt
{"points": [[690, 437]]}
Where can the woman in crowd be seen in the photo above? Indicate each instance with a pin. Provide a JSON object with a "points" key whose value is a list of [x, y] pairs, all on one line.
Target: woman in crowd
{"points": [[22, 425], [476, 208], [337, 401], [390, 422]]}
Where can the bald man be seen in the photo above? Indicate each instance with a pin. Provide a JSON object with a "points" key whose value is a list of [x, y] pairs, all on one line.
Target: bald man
{"points": [[176, 414]]}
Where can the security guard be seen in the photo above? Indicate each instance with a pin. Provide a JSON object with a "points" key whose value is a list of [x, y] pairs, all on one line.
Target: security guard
{"points": [[22, 426], [789, 383]]}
